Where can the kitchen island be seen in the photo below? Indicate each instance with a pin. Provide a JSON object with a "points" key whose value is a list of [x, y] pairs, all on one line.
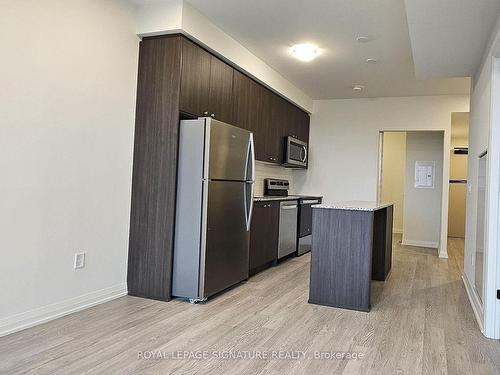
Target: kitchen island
{"points": [[351, 245]]}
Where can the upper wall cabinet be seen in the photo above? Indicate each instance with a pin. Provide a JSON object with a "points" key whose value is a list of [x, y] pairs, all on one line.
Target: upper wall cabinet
{"points": [[221, 90], [298, 123], [195, 79], [210, 87], [206, 84], [276, 127], [241, 100], [253, 110]]}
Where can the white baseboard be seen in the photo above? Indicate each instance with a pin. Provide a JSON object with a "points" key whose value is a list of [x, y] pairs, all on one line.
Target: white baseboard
{"points": [[474, 301], [430, 244], [56, 310], [443, 255]]}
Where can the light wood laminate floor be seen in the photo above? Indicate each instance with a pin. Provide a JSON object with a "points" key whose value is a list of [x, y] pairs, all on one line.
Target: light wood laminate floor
{"points": [[421, 322]]}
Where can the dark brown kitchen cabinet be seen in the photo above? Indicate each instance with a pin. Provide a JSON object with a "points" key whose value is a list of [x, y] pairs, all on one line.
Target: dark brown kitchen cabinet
{"points": [[303, 131], [241, 100], [263, 236], [221, 91], [277, 129], [154, 177], [298, 123], [260, 120], [279, 119], [270, 117], [206, 84], [252, 111], [195, 79]]}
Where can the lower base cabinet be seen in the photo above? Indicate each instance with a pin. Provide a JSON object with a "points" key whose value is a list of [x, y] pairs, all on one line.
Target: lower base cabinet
{"points": [[264, 236]]}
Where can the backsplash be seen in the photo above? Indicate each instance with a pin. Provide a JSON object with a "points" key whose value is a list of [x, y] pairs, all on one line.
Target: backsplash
{"points": [[263, 170]]}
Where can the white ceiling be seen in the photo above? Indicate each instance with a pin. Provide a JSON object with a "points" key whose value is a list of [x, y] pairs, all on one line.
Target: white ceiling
{"points": [[268, 28], [448, 37]]}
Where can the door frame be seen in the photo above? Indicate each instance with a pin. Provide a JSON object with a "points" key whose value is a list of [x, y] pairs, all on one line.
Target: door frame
{"points": [[491, 267], [442, 251]]}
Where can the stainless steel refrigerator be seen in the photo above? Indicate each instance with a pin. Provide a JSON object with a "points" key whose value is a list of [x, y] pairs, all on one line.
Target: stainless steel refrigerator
{"points": [[214, 207]]}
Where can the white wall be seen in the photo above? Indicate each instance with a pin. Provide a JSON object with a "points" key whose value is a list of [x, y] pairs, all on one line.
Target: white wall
{"points": [[344, 142], [172, 16], [422, 209], [153, 18], [484, 134], [393, 175], [68, 96]]}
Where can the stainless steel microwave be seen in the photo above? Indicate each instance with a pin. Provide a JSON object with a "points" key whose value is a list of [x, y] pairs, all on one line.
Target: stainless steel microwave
{"points": [[296, 153]]}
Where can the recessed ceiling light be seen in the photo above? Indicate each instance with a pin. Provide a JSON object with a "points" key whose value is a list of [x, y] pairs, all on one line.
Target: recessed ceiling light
{"points": [[305, 52], [371, 61], [358, 88], [362, 39]]}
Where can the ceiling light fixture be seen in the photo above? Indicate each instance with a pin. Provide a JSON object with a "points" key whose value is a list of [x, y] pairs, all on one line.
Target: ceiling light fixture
{"points": [[371, 61], [358, 88], [305, 52], [362, 39]]}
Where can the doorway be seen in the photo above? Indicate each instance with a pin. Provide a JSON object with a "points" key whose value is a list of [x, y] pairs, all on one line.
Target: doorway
{"points": [[458, 174], [411, 176]]}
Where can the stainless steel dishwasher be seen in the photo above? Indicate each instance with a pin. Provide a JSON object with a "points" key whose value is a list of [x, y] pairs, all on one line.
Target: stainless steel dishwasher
{"points": [[287, 243]]}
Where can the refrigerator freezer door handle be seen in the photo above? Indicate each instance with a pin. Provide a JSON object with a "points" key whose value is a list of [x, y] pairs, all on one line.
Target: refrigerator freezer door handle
{"points": [[250, 164]]}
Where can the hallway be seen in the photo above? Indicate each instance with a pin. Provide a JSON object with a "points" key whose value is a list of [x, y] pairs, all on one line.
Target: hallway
{"points": [[421, 322]]}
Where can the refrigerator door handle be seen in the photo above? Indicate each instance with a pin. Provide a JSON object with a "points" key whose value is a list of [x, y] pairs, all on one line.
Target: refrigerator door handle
{"points": [[248, 203], [250, 164], [249, 177]]}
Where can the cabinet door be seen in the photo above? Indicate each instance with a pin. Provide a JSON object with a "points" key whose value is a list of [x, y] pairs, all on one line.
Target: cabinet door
{"points": [[221, 91], [303, 130], [248, 104], [290, 126], [195, 80], [241, 100], [298, 123], [264, 235], [276, 128], [256, 119], [248, 107]]}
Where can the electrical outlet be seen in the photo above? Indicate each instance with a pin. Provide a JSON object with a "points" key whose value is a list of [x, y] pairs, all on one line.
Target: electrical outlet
{"points": [[79, 261]]}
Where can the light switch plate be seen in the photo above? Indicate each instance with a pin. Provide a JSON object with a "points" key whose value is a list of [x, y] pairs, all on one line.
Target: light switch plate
{"points": [[79, 261]]}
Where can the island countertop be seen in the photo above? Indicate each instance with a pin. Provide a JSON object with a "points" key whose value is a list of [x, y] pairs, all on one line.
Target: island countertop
{"points": [[355, 205]]}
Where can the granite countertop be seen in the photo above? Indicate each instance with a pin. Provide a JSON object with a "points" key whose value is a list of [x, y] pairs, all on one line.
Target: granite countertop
{"points": [[284, 198], [355, 205]]}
